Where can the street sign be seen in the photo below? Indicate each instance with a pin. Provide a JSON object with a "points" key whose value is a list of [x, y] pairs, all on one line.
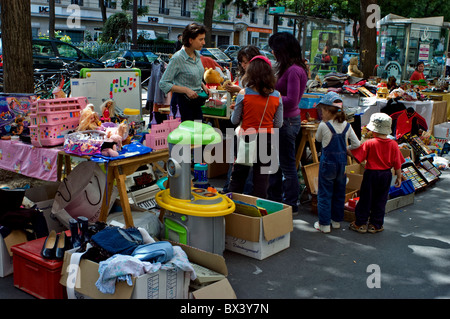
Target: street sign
{"points": [[274, 10]]}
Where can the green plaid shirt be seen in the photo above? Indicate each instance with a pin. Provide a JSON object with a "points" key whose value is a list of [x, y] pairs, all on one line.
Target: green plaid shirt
{"points": [[183, 71]]}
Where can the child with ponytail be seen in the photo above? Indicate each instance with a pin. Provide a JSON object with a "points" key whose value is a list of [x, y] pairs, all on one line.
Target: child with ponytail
{"points": [[333, 132]]}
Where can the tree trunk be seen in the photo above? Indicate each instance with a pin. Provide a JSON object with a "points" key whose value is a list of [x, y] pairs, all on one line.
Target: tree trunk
{"points": [[51, 19], [134, 25], [368, 38], [355, 35], [103, 11], [17, 46], [208, 20]]}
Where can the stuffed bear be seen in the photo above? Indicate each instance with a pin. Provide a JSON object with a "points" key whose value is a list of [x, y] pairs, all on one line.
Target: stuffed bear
{"points": [[353, 68], [213, 79]]}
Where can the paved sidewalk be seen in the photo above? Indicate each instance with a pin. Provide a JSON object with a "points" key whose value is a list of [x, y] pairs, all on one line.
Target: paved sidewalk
{"points": [[411, 256]]}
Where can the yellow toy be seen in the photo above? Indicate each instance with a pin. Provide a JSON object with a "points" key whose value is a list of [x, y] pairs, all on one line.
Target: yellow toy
{"points": [[353, 68], [213, 79]]}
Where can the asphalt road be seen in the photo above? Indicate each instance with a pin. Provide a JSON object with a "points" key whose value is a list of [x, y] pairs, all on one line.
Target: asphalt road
{"points": [[410, 259]]}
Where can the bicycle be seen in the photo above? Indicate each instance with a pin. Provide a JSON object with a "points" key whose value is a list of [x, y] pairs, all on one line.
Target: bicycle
{"points": [[44, 87]]}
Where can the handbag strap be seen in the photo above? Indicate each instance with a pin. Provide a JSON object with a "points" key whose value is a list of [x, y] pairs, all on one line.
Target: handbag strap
{"points": [[264, 113]]}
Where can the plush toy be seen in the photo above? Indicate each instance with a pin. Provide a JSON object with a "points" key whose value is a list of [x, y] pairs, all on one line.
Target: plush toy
{"points": [[353, 68], [213, 78], [114, 138], [89, 119]]}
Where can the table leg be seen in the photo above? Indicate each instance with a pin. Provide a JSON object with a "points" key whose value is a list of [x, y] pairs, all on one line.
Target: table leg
{"points": [[120, 179], [312, 146], [107, 195], [301, 148], [59, 166]]}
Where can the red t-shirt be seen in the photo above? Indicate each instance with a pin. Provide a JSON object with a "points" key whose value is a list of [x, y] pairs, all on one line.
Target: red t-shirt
{"points": [[380, 154], [416, 76]]}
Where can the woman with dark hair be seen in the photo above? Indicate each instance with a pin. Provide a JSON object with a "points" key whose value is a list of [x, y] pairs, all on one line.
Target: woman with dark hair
{"points": [[292, 76], [259, 108], [184, 74], [418, 72]]}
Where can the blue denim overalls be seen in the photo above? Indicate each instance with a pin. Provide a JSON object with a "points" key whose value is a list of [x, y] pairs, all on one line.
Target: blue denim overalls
{"points": [[332, 178]]}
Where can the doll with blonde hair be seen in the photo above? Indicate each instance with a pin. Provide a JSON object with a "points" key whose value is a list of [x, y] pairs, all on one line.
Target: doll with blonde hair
{"points": [[88, 119]]}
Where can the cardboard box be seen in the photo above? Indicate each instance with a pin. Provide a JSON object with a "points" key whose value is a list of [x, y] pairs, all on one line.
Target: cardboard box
{"points": [[16, 237], [43, 197], [258, 237], [391, 205], [163, 284], [6, 261], [442, 130]]}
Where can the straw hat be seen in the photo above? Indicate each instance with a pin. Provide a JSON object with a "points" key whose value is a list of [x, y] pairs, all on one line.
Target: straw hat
{"points": [[380, 123]]}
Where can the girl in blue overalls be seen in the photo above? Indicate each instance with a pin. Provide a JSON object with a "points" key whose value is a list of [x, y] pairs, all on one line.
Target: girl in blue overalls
{"points": [[333, 132]]}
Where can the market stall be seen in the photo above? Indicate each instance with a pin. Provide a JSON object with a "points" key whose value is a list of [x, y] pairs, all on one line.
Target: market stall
{"points": [[405, 41]]}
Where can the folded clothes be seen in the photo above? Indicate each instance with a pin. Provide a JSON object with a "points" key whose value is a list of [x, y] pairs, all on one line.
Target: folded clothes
{"points": [[125, 267]]}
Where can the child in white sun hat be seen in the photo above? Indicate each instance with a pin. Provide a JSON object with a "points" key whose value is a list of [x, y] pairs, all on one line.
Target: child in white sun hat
{"points": [[381, 155]]}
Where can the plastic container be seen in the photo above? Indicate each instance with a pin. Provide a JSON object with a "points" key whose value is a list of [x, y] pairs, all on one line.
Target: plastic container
{"points": [[35, 275], [52, 119], [406, 188]]}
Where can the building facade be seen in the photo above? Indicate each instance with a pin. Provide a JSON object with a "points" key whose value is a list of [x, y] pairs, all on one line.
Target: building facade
{"points": [[81, 19]]}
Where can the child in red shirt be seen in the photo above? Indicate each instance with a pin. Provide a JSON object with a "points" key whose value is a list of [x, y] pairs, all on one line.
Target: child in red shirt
{"points": [[381, 155]]}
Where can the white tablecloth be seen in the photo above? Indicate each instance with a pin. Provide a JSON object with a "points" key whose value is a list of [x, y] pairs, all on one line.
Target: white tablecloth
{"points": [[424, 108]]}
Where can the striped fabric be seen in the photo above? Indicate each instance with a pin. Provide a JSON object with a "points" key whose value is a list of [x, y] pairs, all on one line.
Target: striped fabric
{"points": [[183, 71]]}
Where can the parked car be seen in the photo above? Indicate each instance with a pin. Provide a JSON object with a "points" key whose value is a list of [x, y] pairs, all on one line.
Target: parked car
{"points": [[142, 60], [267, 54], [229, 49], [48, 54]]}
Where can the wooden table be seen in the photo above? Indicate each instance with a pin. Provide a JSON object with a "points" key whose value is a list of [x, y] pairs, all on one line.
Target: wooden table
{"points": [[117, 172], [308, 135]]}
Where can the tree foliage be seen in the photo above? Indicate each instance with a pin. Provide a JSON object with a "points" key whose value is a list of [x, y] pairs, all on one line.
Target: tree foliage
{"points": [[117, 27]]}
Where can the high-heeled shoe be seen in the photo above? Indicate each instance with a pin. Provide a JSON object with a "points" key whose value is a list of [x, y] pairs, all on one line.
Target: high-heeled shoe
{"points": [[49, 247], [62, 245]]}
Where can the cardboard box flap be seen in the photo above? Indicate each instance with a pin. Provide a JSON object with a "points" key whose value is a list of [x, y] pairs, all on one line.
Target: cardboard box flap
{"points": [[16, 237], [206, 259], [277, 224], [218, 290], [43, 193], [87, 277], [311, 177], [243, 227]]}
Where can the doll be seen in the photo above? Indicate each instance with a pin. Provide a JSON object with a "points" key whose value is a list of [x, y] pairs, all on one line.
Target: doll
{"points": [[108, 108], [88, 119], [19, 126]]}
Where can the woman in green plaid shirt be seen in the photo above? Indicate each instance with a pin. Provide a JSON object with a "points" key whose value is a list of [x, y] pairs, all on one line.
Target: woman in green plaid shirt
{"points": [[184, 74]]}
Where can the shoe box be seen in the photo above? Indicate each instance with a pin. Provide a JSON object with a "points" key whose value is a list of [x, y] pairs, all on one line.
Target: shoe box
{"points": [[254, 235], [35, 275], [211, 281]]}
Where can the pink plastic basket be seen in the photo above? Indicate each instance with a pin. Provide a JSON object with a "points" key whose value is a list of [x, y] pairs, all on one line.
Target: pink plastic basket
{"points": [[53, 118]]}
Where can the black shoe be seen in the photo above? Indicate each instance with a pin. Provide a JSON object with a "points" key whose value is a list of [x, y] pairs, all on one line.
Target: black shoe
{"points": [[62, 244], [49, 248]]}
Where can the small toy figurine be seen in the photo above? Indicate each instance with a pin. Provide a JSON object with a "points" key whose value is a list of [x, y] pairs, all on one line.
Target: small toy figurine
{"points": [[107, 108], [19, 126]]}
